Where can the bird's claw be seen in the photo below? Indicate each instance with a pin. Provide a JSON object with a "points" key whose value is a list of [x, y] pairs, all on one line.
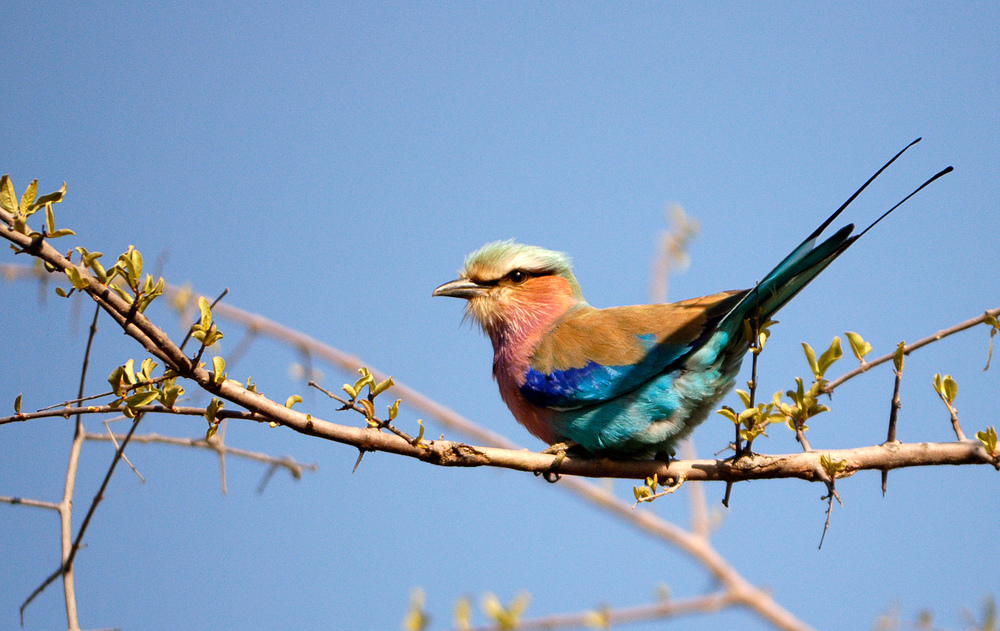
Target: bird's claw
{"points": [[664, 455], [559, 450]]}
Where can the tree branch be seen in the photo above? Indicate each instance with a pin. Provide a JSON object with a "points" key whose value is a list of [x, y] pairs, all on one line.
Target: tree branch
{"points": [[293, 467], [940, 335]]}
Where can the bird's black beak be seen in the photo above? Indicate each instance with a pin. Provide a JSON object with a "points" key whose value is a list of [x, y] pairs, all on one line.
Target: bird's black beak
{"points": [[461, 288]]}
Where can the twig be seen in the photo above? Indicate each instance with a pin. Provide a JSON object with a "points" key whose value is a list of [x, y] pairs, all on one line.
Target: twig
{"points": [[219, 443], [23, 501], [940, 335], [190, 330], [891, 434], [829, 509], [628, 615], [959, 434], [293, 467], [67, 565], [351, 405], [114, 441], [180, 410], [66, 504], [801, 437], [125, 388]]}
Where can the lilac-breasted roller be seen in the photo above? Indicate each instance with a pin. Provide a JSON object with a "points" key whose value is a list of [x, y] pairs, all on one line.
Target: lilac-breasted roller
{"points": [[625, 381]]}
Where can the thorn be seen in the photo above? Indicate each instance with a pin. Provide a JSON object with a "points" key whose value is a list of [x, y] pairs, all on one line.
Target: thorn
{"points": [[361, 454]]}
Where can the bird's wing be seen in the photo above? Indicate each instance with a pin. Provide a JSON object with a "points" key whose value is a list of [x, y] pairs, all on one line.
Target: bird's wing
{"points": [[593, 355]]}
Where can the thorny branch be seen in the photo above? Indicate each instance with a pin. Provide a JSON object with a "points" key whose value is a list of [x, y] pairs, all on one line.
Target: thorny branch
{"points": [[909, 348], [448, 453]]}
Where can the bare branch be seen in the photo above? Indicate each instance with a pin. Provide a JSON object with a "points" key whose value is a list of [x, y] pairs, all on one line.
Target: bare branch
{"points": [[293, 467], [67, 564], [23, 501]]}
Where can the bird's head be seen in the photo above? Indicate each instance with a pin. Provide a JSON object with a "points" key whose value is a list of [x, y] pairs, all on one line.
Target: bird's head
{"points": [[512, 288]]}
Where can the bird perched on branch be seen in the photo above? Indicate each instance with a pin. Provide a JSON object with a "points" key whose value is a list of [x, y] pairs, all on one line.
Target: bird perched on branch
{"points": [[626, 381]]}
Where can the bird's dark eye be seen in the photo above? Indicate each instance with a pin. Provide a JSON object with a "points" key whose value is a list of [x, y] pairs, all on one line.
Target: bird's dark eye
{"points": [[518, 276]]}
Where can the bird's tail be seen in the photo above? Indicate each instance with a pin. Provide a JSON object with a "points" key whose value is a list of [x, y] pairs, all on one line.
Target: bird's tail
{"points": [[804, 263]]}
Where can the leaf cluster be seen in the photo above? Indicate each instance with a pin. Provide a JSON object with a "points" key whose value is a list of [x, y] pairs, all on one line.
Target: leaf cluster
{"points": [[753, 419], [136, 389], [506, 617], [756, 336], [204, 330], [805, 401], [29, 205]]}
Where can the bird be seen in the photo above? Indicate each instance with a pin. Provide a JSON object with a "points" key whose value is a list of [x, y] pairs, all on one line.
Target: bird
{"points": [[622, 382]]}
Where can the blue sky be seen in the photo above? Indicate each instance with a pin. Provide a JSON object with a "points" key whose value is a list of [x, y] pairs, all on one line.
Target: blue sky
{"points": [[332, 163]]}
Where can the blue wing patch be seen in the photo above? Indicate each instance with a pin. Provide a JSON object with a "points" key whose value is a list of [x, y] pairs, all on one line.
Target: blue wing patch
{"points": [[594, 383]]}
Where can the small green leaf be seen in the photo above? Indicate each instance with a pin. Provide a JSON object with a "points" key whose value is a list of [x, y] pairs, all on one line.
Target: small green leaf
{"points": [[73, 273], [146, 369], [115, 379], [121, 293], [292, 400], [62, 232], [419, 440], [463, 614], [829, 356], [213, 408], [130, 372], [50, 219], [394, 409], [28, 198], [897, 358], [349, 389], [832, 467], [729, 413], [17, 405], [859, 346], [416, 618], [744, 397], [369, 409], [169, 394], [61, 292], [51, 198], [8, 198], [640, 492], [747, 414], [218, 366], [98, 269], [136, 257], [950, 388], [988, 437], [381, 387], [141, 398], [131, 274], [811, 358], [206, 311], [366, 379]]}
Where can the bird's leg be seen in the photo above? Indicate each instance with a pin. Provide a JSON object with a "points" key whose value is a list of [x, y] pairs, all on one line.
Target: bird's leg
{"points": [[559, 450]]}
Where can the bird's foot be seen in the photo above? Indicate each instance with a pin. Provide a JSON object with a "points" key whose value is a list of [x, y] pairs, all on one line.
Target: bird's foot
{"points": [[559, 450]]}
